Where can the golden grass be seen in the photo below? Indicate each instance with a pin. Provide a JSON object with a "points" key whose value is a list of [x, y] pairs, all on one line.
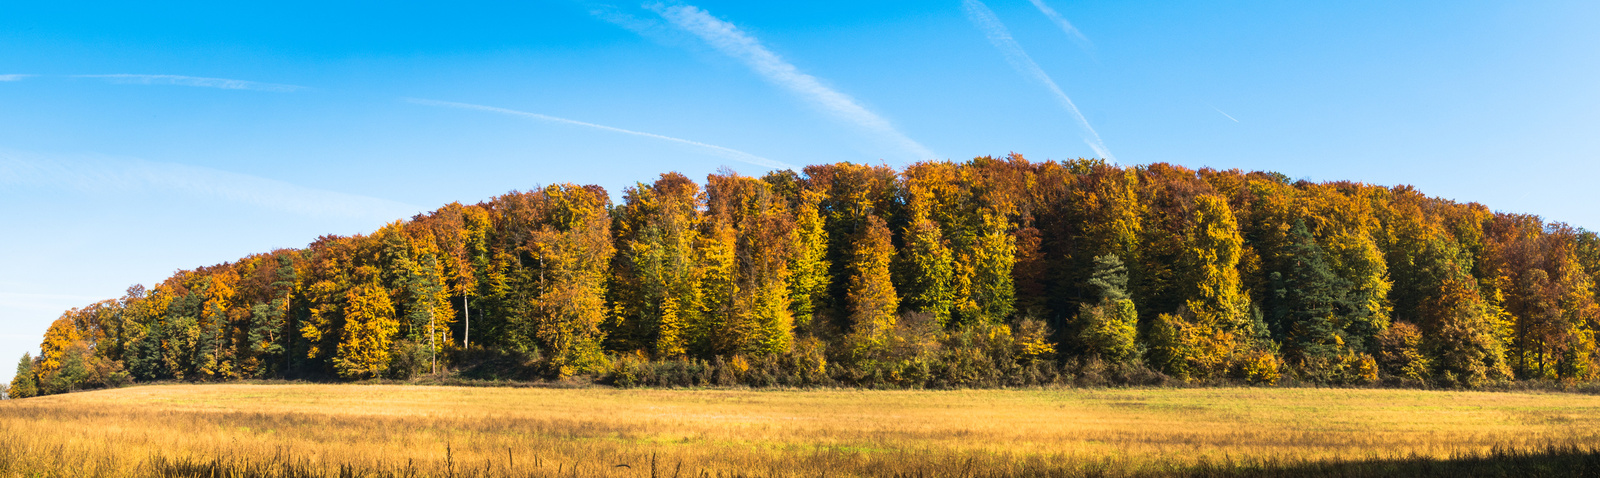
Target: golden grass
{"points": [[538, 431]]}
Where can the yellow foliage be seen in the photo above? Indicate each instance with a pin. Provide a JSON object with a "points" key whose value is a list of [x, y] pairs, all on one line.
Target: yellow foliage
{"points": [[369, 329]]}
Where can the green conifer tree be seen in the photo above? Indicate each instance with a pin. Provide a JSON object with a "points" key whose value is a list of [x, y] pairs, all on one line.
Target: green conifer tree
{"points": [[1109, 328], [1310, 301], [24, 384]]}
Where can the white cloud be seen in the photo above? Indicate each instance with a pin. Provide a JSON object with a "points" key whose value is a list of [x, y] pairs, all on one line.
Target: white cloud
{"points": [[1062, 22], [105, 174], [1024, 64], [730, 40], [14, 77], [222, 83], [730, 153]]}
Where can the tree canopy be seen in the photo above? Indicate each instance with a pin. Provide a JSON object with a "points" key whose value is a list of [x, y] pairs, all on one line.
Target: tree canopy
{"points": [[994, 270]]}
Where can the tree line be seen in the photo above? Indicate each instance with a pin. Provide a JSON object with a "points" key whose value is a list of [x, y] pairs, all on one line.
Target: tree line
{"points": [[993, 271]]}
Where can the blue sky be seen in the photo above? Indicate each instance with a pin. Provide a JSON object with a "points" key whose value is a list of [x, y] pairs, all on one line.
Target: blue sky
{"points": [[138, 139]]}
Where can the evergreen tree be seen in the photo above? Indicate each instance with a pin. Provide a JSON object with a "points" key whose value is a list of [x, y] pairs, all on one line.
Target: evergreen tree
{"points": [[24, 384], [1310, 300], [1109, 280], [1109, 328]]}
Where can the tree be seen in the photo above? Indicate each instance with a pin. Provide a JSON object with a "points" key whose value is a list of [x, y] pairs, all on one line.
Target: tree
{"points": [[1461, 336], [1109, 328], [758, 320], [461, 234], [871, 295], [561, 235], [1310, 298], [991, 293], [25, 383], [848, 195], [928, 264], [655, 294], [1212, 329], [369, 330], [809, 266], [268, 334]]}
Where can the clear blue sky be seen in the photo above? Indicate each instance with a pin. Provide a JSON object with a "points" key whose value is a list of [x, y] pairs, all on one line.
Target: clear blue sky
{"points": [[138, 139]]}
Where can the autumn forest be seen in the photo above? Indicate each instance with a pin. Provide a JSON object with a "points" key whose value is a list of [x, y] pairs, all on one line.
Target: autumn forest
{"points": [[988, 273]]}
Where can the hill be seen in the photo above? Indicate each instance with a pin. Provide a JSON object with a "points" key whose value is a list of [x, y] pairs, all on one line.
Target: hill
{"points": [[992, 272]]}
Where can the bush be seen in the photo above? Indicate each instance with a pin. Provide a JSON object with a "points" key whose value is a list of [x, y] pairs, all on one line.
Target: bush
{"points": [[410, 359]]}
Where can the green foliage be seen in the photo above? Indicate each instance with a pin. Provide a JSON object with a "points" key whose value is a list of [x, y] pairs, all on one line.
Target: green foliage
{"points": [[927, 263], [1109, 328], [1311, 302], [1110, 278], [655, 294], [24, 384], [809, 265]]}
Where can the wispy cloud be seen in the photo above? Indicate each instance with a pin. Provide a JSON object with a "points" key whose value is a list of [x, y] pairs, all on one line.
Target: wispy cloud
{"points": [[645, 27], [1219, 110], [179, 80], [99, 175], [730, 40], [1024, 64], [1066, 26], [13, 77], [730, 153]]}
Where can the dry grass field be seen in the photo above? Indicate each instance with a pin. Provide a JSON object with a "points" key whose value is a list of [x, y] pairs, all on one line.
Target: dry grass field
{"points": [[401, 430]]}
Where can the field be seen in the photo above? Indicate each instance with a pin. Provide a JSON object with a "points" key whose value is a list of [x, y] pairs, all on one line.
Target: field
{"points": [[403, 430]]}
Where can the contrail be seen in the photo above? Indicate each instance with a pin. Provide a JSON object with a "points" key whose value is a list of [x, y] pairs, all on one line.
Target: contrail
{"points": [[1024, 64], [13, 77], [1065, 25], [179, 80], [729, 152], [1219, 110], [731, 41], [99, 174]]}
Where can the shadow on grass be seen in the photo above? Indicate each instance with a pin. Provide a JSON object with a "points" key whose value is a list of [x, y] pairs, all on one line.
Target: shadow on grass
{"points": [[1553, 461], [1549, 462]]}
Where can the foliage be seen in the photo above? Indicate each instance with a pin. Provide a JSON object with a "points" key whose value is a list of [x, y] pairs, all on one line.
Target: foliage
{"points": [[989, 272]]}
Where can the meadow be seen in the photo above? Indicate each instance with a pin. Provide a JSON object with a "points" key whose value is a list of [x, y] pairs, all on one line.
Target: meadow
{"points": [[293, 430]]}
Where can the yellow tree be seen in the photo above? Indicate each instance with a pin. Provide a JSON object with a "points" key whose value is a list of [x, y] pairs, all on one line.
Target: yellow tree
{"points": [[871, 294], [461, 235], [991, 293], [329, 277], [655, 294], [758, 320], [562, 236], [1212, 330], [849, 194], [369, 330], [929, 265], [809, 265]]}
